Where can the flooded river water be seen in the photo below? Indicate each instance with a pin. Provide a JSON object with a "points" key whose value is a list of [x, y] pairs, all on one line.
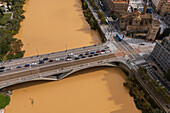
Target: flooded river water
{"points": [[50, 26]]}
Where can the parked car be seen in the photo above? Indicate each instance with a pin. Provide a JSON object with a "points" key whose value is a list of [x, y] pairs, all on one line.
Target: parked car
{"points": [[2, 67], [96, 54], [106, 47], [68, 57], [27, 65], [103, 50], [141, 44], [19, 66]]}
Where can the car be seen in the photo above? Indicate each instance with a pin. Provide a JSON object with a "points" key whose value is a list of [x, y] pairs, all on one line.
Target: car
{"points": [[57, 59], [33, 64], [103, 50], [107, 52], [41, 62], [19, 66], [106, 47], [98, 51], [102, 53], [80, 54], [68, 59], [2, 67], [92, 53], [62, 58], [90, 56], [51, 60], [70, 54], [45, 58], [141, 44], [9, 68], [27, 65], [96, 54], [83, 57], [1, 70], [76, 58], [87, 53]]}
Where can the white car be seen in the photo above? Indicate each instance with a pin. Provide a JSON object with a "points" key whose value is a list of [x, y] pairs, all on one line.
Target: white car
{"points": [[57, 59], [33, 64], [70, 54], [102, 53], [68, 59], [75, 56], [107, 51]]}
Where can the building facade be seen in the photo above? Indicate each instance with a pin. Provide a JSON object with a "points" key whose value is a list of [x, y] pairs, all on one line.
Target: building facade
{"points": [[162, 7], [139, 24], [161, 54], [117, 6]]}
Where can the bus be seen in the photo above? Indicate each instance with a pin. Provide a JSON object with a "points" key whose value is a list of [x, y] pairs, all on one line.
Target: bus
{"points": [[119, 37]]}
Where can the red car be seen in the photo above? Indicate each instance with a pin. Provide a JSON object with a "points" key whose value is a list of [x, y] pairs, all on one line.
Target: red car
{"points": [[51, 60], [98, 51]]}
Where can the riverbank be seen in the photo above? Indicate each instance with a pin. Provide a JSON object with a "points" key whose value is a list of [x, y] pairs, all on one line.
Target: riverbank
{"points": [[10, 47]]}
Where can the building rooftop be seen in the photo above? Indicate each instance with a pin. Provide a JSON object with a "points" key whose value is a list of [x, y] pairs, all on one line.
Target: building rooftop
{"points": [[168, 1], [119, 1]]}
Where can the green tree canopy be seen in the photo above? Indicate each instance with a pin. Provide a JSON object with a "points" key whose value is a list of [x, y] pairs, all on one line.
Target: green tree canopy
{"points": [[4, 101]]}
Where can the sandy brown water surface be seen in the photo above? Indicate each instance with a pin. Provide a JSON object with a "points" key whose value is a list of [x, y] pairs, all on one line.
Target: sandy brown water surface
{"points": [[48, 27]]}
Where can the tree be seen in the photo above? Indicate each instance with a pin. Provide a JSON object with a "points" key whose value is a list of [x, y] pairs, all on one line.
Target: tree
{"points": [[157, 111], [167, 75], [103, 21], [84, 5], [4, 101], [95, 6], [114, 16]]}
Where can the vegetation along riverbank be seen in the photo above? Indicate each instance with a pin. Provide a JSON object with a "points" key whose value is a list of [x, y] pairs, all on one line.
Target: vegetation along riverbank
{"points": [[10, 48]]}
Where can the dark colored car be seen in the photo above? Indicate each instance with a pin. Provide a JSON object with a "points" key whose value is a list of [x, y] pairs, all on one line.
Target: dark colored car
{"points": [[103, 50], [41, 62], [68, 57], [1, 70], [87, 53], [92, 53], [76, 58], [45, 58], [83, 57], [19, 66], [96, 54], [2, 67], [90, 56], [26, 65]]}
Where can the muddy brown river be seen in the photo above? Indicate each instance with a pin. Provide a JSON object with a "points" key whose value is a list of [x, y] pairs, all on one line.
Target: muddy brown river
{"points": [[55, 25]]}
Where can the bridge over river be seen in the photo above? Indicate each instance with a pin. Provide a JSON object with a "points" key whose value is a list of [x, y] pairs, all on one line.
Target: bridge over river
{"points": [[57, 70]]}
